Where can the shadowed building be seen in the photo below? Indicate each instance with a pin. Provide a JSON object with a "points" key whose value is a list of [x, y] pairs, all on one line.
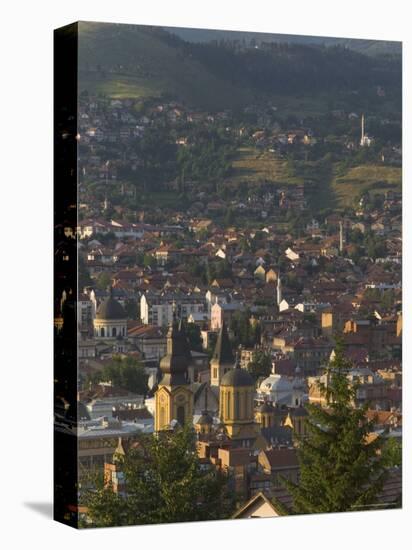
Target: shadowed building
{"points": [[236, 412], [266, 415], [223, 359], [174, 396]]}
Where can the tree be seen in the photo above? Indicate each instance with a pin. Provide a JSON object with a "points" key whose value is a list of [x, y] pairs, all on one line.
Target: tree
{"points": [[261, 365], [127, 373], [131, 308], [339, 469], [229, 217], [84, 275], [392, 453], [241, 328], [149, 261], [103, 280], [164, 483], [194, 337]]}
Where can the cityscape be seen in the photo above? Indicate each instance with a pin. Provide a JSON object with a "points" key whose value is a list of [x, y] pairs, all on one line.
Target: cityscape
{"points": [[238, 305]]}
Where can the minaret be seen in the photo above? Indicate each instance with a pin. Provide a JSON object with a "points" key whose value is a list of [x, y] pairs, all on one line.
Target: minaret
{"points": [[362, 140], [279, 290], [340, 237]]}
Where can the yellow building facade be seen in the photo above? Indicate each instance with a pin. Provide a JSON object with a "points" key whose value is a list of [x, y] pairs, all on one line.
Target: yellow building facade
{"points": [[236, 410]]}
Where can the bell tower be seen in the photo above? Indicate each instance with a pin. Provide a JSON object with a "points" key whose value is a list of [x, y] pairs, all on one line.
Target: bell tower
{"points": [[223, 359], [174, 396]]}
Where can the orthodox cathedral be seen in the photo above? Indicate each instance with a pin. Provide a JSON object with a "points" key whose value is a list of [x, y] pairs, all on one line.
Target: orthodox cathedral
{"points": [[243, 413]]}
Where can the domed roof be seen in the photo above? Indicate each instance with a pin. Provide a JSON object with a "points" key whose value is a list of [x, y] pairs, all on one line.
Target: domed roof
{"points": [[276, 382], [110, 309], [298, 384], [237, 377]]}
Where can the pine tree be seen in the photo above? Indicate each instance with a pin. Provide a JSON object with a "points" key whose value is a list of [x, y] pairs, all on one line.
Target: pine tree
{"points": [[339, 469], [261, 366], [164, 483]]}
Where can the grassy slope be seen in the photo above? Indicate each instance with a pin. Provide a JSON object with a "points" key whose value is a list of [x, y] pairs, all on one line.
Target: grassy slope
{"points": [[365, 178], [328, 190], [255, 166]]}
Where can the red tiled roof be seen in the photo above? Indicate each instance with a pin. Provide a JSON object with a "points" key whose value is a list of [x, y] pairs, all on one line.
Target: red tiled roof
{"points": [[282, 458]]}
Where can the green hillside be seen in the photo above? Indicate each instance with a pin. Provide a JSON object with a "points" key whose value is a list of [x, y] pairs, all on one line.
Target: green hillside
{"points": [[136, 61], [369, 177], [365, 46], [255, 166], [142, 61]]}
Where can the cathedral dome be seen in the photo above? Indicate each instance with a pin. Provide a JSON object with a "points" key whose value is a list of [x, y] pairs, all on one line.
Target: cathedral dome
{"points": [[110, 309], [237, 377], [277, 383]]}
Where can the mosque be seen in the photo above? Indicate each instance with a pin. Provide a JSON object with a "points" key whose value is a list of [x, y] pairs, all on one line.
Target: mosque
{"points": [[111, 319]]}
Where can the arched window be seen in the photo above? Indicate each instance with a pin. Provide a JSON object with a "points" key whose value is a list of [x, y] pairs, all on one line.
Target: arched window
{"points": [[181, 415], [114, 331], [228, 412], [102, 331]]}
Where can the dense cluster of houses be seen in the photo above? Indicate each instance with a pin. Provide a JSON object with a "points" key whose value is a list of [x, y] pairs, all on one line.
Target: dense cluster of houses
{"points": [[283, 293], [299, 296]]}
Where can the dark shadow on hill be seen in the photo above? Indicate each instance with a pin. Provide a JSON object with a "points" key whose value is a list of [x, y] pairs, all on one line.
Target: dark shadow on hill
{"points": [[322, 196]]}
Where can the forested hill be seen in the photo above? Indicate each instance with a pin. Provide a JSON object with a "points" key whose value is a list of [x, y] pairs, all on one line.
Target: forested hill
{"points": [[136, 61], [365, 46], [293, 68]]}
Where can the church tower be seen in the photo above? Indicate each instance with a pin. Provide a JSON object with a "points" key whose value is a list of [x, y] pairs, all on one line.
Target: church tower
{"points": [[174, 396], [237, 390], [223, 359]]}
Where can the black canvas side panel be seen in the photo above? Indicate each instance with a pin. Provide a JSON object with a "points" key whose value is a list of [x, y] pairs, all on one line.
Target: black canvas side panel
{"points": [[65, 274]]}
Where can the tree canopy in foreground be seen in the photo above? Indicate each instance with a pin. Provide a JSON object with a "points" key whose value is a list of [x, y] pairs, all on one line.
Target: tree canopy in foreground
{"points": [[165, 483], [340, 470]]}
